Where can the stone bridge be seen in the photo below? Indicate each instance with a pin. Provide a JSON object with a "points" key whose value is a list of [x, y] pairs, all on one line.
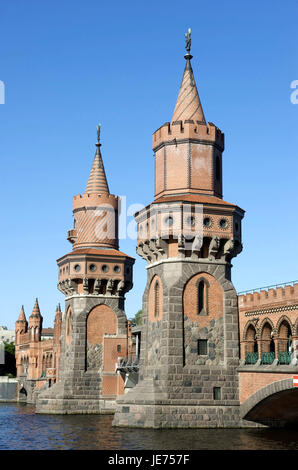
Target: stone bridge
{"points": [[269, 398]]}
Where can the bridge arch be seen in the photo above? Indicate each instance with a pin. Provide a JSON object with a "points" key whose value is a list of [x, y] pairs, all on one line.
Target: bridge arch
{"points": [[274, 405]]}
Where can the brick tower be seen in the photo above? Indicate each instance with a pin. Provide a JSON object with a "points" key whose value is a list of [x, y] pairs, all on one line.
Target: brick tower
{"points": [[94, 278], [188, 236]]}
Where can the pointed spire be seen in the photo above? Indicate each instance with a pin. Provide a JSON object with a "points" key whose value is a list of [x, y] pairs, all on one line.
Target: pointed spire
{"points": [[22, 316], [58, 312], [97, 182], [35, 311], [188, 105]]}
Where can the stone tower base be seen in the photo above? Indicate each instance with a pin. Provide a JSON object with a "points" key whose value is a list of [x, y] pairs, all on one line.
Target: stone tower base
{"points": [[60, 399], [154, 410]]}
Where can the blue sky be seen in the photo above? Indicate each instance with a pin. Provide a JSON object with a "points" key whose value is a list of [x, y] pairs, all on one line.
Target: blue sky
{"points": [[70, 65]]}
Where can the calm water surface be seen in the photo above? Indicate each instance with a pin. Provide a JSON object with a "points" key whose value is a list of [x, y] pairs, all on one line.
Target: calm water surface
{"points": [[22, 429]]}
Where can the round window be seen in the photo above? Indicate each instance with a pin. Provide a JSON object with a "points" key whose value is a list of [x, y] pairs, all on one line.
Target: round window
{"points": [[191, 220], [223, 223], [77, 267], [169, 221], [117, 269], [92, 267], [207, 222], [105, 268]]}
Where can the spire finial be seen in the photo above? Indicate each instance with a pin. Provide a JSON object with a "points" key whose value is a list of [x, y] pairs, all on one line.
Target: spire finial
{"points": [[187, 35], [97, 182], [98, 135]]}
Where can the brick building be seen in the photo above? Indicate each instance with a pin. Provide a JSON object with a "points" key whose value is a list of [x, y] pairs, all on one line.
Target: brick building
{"points": [[268, 325], [37, 352]]}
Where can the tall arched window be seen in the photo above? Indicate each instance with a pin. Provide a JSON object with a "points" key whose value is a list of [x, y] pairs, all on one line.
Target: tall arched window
{"points": [[69, 326], [202, 297], [156, 299]]}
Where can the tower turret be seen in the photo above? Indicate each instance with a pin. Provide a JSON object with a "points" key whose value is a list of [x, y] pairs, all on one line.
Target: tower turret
{"points": [[94, 278], [96, 211], [57, 324], [95, 265], [188, 236], [35, 323], [21, 325]]}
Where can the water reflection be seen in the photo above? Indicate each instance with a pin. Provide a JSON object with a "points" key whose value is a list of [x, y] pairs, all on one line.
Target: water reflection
{"points": [[21, 428]]}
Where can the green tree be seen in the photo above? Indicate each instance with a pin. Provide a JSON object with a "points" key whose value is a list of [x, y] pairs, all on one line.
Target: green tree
{"points": [[137, 319], [9, 366]]}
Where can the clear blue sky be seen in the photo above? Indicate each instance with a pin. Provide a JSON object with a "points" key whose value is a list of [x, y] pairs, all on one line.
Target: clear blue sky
{"points": [[69, 65]]}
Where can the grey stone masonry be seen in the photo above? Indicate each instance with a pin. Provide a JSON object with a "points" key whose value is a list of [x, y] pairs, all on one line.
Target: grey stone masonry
{"points": [[79, 388], [176, 388]]}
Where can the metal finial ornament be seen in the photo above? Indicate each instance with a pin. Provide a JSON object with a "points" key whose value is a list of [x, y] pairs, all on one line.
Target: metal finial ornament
{"points": [[188, 44], [98, 133]]}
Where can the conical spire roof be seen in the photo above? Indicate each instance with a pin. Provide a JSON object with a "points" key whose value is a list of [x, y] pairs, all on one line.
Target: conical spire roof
{"points": [[97, 182], [35, 311], [22, 316], [188, 105]]}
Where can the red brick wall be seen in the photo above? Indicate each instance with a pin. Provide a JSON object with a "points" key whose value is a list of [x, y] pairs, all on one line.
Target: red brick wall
{"points": [[101, 320], [214, 299], [111, 353], [251, 382]]}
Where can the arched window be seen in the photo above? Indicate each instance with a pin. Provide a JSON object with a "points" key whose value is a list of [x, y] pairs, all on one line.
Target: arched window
{"points": [[285, 343], [284, 337], [69, 326], [202, 297], [251, 346], [268, 346], [156, 299]]}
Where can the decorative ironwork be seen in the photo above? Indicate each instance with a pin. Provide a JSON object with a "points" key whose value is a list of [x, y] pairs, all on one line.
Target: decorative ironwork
{"points": [[128, 365], [251, 291], [188, 40], [251, 358], [267, 357], [284, 357], [98, 133]]}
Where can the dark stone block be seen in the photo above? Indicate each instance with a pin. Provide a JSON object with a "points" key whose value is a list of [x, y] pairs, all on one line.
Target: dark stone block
{"points": [[187, 383]]}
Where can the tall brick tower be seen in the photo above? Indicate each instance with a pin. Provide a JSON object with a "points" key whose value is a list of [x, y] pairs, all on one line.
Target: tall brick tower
{"points": [[94, 278], [188, 236]]}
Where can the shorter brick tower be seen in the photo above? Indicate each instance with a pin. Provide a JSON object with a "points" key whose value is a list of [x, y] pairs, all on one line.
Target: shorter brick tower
{"points": [[188, 236], [94, 278], [37, 356]]}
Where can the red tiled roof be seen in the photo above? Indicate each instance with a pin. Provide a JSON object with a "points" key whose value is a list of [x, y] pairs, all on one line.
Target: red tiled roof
{"points": [[94, 251], [194, 198]]}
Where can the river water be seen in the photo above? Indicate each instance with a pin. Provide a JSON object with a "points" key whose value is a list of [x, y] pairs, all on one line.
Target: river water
{"points": [[22, 429]]}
